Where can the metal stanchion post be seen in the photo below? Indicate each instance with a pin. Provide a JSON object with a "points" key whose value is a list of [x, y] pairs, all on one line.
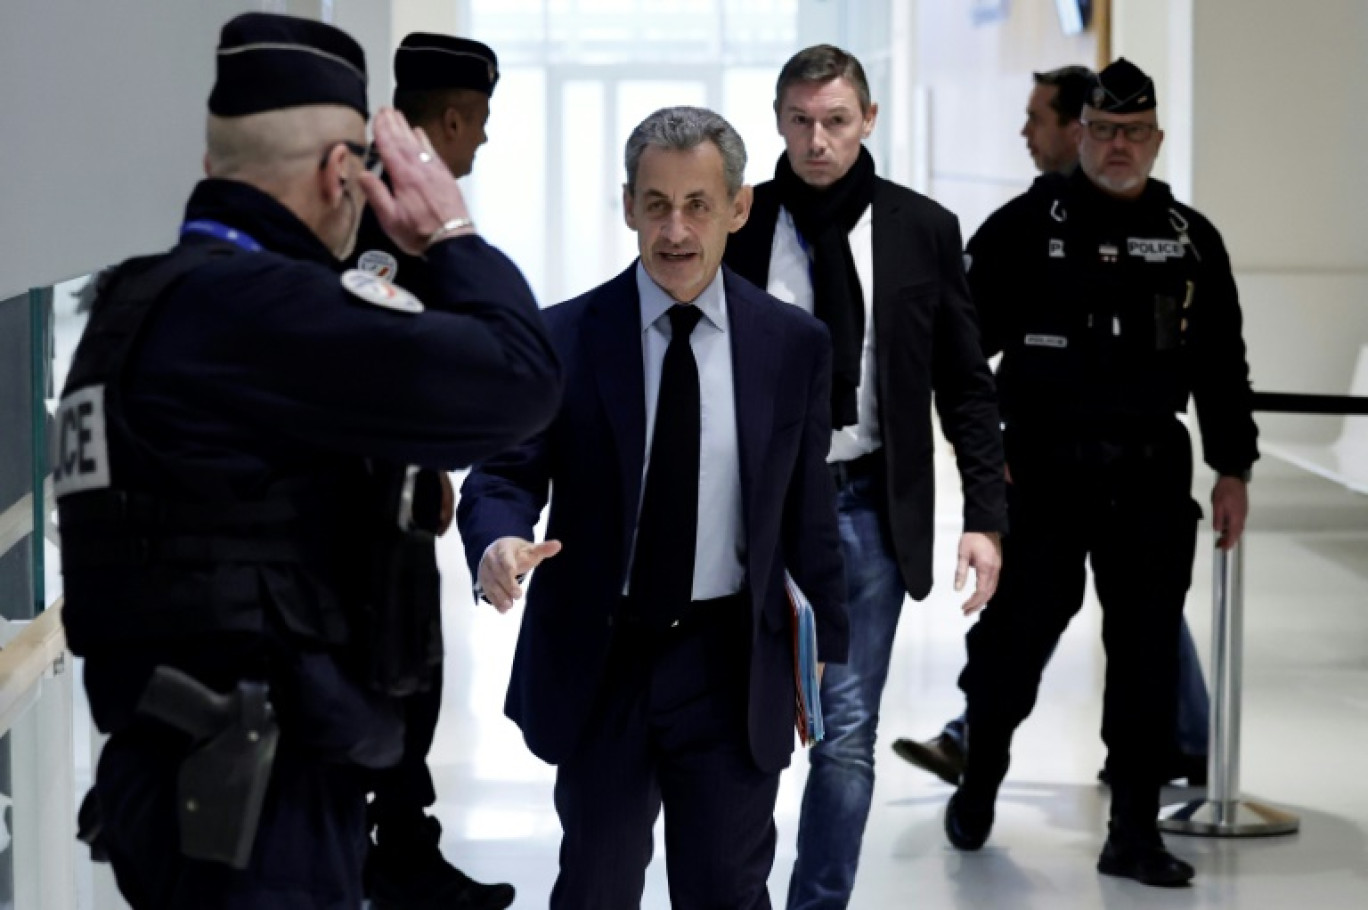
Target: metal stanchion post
{"points": [[1223, 813]]}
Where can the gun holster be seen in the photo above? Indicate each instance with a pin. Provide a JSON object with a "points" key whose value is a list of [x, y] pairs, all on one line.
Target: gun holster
{"points": [[221, 785]]}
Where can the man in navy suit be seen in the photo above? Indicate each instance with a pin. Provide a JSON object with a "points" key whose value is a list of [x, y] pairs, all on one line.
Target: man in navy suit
{"points": [[655, 665]]}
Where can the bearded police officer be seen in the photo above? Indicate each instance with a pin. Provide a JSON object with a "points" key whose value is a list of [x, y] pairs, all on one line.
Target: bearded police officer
{"points": [[443, 86], [1111, 304], [213, 492]]}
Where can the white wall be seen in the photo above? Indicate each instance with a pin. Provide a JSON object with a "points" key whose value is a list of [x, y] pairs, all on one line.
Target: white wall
{"points": [[103, 113], [1278, 165], [972, 84]]}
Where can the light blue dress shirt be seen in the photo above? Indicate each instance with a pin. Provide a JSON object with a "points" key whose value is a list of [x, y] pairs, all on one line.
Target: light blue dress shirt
{"points": [[719, 561]]}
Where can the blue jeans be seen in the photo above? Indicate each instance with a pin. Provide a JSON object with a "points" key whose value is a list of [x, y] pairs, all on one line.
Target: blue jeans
{"points": [[1194, 705], [840, 782]]}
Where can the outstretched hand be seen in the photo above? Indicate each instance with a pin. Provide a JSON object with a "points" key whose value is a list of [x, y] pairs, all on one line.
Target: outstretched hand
{"points": [[506, 561]]}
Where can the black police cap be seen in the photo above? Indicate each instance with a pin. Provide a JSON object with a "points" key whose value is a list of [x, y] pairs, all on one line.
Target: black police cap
{"points": [[427, 62], [267, 62], [1122, 88]]}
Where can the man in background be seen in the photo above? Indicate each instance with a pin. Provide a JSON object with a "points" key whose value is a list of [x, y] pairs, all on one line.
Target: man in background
{"points": [[881, 266], [1112, 304], [1053, 131], [442, 85]]}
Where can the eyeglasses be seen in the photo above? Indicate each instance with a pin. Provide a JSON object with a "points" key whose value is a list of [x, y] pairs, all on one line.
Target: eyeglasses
{"points": [[369, 154], [1106, 130]]}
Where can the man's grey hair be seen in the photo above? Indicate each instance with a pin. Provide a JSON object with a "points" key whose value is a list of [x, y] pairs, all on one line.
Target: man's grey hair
{"points": [[684, 128]]}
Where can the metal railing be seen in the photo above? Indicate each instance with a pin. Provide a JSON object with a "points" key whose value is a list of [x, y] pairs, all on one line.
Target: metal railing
{"points": [[1223, 813]]}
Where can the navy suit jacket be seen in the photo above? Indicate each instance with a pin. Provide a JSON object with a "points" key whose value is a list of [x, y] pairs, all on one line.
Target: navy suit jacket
{"points": [[592, 458]]}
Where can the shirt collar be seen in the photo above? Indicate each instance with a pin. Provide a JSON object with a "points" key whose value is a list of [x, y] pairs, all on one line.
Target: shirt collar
{"points": [[654, 301]]}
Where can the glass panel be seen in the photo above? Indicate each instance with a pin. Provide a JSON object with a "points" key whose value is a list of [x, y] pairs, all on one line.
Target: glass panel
{"points": [[588, 206], [507, 190], [647, 31], [37, 801], [16, 459]]}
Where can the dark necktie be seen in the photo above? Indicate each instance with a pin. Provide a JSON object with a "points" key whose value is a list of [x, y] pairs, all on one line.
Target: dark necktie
{"points": [[663, 567]]}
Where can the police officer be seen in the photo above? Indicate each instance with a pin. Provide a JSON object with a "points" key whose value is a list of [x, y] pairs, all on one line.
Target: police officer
{"points": [[443, 86], [1111, 303], [212, 485], [1053, 132]]}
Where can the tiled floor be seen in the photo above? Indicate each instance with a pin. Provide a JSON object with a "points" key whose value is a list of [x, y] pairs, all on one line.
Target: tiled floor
{"points": [[1305, 742]]}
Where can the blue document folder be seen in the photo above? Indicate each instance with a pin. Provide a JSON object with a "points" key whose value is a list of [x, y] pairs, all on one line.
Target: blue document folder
{"points": [[808, 710]]}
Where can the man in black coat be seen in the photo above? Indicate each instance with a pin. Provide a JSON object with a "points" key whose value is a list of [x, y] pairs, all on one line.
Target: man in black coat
{"points": [[215, 432], [1112, 304], [1053, 131], [881, 266], [443, 86]]}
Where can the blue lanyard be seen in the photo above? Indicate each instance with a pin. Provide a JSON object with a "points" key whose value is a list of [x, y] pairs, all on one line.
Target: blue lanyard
{"points": [[222, 232]]}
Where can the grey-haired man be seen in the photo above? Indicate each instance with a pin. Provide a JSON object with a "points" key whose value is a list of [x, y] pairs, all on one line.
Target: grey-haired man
{"points": [[655, 666]]}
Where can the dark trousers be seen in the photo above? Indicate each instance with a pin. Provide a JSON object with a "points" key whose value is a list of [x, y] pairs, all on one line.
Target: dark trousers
{"points": [[308, 849], [405, 791], [406, 579], [1125, 504], [669, 729]]}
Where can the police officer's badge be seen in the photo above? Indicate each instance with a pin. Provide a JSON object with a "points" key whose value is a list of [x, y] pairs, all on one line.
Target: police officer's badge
{"points": [[380, 292], [379, 263]]}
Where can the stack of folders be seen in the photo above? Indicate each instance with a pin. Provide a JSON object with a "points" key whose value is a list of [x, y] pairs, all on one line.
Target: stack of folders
{"points": [[808, 713]]}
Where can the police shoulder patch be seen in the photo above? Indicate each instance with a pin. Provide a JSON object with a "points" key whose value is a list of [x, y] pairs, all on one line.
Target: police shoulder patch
{"points": [[379, 292], [378, 263]]}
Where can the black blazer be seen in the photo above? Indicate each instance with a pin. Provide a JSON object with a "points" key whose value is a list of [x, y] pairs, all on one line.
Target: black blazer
{"points": [[592, 458], [926, 339]]}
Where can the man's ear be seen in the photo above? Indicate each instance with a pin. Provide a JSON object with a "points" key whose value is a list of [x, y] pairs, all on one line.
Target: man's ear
{"points": [[871, 116], [627, 214], [453, 122], [741, 206], [332, 174]]}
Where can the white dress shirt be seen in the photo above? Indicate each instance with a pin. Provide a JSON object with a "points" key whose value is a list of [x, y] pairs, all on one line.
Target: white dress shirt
{"points": [[790, 280], [719, 559]]}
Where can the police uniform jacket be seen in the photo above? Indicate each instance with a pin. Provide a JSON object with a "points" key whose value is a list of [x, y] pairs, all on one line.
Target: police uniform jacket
{"points": [[1110, 313], [260, 378]]}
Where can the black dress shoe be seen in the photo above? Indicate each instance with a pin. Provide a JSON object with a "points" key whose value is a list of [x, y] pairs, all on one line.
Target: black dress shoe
{"points": [[1148, 863], [967, 825], [942, 756]]}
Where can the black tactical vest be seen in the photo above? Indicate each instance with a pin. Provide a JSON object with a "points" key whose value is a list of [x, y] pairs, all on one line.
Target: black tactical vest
{"points": [[153, 552]]}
